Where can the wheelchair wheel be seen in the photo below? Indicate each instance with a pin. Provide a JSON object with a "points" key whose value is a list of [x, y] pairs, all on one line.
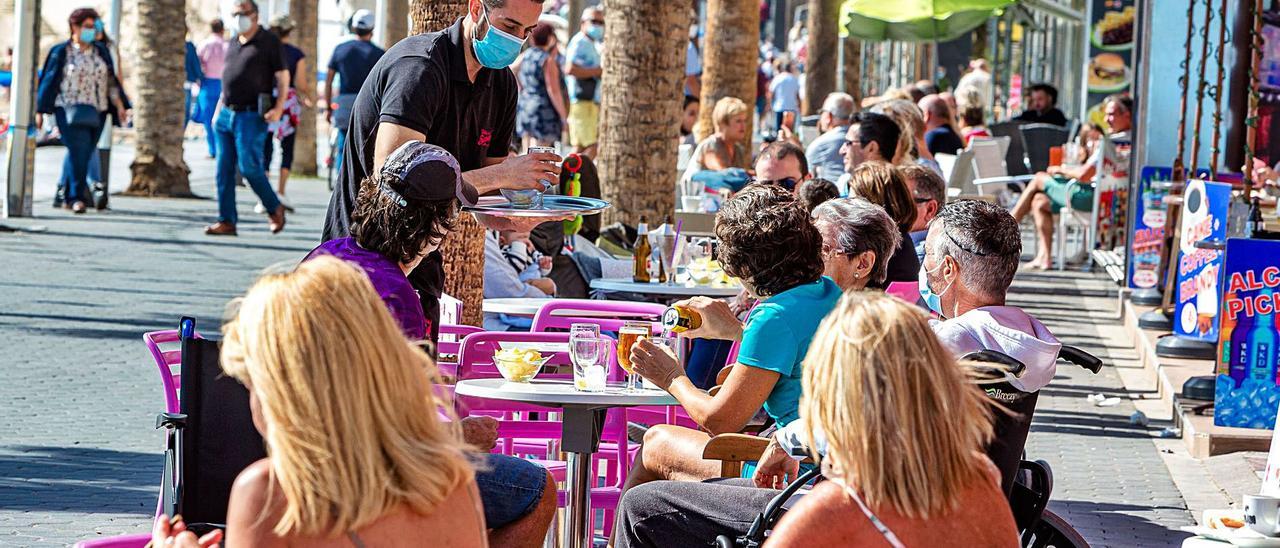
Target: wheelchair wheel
{"points": [[1053, 532]]}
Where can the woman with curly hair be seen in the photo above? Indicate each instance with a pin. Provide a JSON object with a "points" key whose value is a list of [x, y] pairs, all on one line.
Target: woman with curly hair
{"points": [[768, 241]]}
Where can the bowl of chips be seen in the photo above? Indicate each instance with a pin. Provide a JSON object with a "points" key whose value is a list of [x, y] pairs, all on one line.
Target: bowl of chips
{"points": [[519, 365]]}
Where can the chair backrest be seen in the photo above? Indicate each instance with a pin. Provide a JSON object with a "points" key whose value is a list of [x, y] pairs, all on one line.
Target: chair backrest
{"points": [[960, 182], [1015, 157], [559, 314], [448, 346], [219, 439], [450, 310], [907, 291], [988, 161], [946, 163], [1038, 139], [166, 362]]}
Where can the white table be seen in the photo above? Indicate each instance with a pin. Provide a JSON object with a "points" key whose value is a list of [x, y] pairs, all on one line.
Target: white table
{"points": [[664, 290], [582, 422]]}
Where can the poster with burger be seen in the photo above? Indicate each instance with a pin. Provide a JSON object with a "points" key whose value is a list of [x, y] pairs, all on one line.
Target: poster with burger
{"points": [[1108, 73], [1112, 37]]}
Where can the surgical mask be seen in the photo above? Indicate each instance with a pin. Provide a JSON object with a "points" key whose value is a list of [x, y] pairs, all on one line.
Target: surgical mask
{"points": [[596, 32], [88, 35], [498, 49], [931, 299], [243, 24]]}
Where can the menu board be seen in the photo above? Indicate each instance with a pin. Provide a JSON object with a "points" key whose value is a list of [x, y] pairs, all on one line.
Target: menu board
{"points": [[1204, 218], [1147, 230], [1112, 35], [1246, 394]]}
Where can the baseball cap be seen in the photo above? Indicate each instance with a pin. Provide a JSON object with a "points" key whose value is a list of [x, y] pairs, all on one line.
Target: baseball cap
{"points": [[282, 22], [423, 172], [362, 19]]}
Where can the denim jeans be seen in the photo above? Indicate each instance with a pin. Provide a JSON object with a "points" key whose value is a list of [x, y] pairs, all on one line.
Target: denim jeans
{"points": [[241, 136], [338, 150], [206, 105], [82, 145]]}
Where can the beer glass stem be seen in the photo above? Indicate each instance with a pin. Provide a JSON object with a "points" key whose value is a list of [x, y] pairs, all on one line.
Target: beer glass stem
{"points": [[633, 382]]}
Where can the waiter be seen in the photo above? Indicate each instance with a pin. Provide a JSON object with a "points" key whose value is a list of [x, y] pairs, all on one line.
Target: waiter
{"points": [[452, 89]]}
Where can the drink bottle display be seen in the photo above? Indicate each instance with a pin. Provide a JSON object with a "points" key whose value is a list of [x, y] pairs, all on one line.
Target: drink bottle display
{"points": [[1261, 343]]}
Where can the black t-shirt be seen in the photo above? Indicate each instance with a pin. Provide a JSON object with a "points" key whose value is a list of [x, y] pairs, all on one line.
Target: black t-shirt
{"points": [[291, 57], [942, 140], [352, 61], [1053, 116], [904, 265], [421, 83], [251, 68]]}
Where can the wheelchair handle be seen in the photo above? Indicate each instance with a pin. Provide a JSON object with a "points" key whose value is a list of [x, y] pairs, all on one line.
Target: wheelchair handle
{"points": [[1014, 366], [1080, 358]]}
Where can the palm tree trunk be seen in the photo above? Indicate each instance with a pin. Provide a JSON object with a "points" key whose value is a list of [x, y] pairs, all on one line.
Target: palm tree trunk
{"points": [[304, 37], [852, 68], [397, 22], [463, 249], [730, 56], [820, 69], [158, 168], [640, 106]]}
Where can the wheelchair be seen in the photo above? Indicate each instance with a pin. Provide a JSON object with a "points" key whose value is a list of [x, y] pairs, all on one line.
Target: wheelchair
{"points": [[1027, 484]]}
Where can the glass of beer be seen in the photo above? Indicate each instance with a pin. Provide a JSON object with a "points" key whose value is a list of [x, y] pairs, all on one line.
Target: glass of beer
{"points": [[630, 334]]}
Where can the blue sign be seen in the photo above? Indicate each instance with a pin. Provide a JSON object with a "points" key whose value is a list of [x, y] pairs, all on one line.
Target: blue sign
{"points": [[1204, 219], [1147, 236], [1246, 395]]}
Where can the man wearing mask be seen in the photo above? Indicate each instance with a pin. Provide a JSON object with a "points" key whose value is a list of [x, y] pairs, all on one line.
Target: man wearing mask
{"points": [[582, 64], [253, 68], [450, 88]]}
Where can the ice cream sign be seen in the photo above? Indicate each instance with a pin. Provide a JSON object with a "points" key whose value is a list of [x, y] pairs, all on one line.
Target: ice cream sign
{"points": [[1247, 394], [1204, 213]]}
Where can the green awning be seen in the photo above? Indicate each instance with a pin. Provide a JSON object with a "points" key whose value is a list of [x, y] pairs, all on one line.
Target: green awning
{"points": [[914, 20]]}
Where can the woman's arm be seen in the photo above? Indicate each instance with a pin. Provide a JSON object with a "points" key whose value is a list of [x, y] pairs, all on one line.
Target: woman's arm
{"points": [[742, 394], [716, 156], [304, 92], [551, 74]]}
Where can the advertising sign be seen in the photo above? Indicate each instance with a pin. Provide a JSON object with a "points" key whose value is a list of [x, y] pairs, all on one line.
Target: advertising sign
{"points": [[1111, 39], [1246, 395], [1147, 235], [1204, 218]]}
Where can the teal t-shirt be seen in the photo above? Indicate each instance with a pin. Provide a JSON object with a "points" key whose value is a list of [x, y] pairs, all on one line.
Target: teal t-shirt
{"points": [[776, 338]]}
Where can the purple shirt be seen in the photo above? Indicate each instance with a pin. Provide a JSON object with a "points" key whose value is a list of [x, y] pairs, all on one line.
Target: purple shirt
{"points": [[388, 279]]}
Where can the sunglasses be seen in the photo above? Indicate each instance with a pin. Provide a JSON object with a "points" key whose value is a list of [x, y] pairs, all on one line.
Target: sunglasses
{"points": [[788, 183], [239, 13]]}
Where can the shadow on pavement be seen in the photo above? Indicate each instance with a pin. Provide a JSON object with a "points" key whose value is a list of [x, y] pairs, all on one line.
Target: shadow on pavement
{"points": [[78, 479], [1109, 524]]}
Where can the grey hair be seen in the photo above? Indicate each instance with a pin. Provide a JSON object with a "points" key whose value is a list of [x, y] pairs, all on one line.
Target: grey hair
{"points": [[840, 105], [984, 240], [861, 226]]}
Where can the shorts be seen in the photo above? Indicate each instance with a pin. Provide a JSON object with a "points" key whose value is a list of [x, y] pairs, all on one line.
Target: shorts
{"points": [[1057, 187], [510, 488], [584, 120]]}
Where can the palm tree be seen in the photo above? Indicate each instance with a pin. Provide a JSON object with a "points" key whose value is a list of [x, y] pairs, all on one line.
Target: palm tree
{"points": [[306, 19], [158, 168], [396, 22], [640, 106], [731, 55], [463, 249], [852, 68], [820, 68]]}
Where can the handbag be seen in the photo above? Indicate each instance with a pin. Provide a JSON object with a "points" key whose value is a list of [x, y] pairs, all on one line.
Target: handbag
{"points": [[85, 116]]}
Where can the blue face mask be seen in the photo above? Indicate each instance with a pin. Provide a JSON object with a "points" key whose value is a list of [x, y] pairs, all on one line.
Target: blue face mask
{"points": [[596, 32], [931, 299], [88, 35], [498, 49]]}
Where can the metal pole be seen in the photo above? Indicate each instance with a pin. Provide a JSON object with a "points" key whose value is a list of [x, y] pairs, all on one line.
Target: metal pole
{"points": [[380, 28], [1179, 169], [22, 131], [1251, 116], [1200, 90], [104, 140], [1218, 91]]}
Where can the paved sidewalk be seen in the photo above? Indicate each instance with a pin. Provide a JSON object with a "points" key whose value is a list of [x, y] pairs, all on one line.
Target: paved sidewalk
{"points": [[79, 393]]}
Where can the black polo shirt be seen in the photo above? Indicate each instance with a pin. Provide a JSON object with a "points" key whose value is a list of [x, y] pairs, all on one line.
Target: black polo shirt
{"points": [[251, 68], [1053, 116], [421, 83]]}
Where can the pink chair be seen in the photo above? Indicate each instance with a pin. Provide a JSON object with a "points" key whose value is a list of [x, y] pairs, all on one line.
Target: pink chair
{"points": [[907, 291], [168, 362], [524, 436], [123, 541], [448, 346], [559, 314]]}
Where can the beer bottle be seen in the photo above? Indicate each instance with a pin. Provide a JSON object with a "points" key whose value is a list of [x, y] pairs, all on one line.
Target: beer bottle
{"points": [[643, 250], [1255, 224]]}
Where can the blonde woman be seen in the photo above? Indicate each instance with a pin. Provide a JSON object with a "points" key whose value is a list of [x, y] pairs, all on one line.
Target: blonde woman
{"points": [[727, 146], [904, 432], [904, 436], [358, 454]]}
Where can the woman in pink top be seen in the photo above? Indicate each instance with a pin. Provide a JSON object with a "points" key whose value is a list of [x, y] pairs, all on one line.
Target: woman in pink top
{"points": [[212, 53]]}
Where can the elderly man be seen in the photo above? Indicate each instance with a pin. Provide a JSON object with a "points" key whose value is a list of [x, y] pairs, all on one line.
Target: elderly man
{"points": [[824, 152], [871, 137], [939, 136], [929, 192], [1053, 189]]}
